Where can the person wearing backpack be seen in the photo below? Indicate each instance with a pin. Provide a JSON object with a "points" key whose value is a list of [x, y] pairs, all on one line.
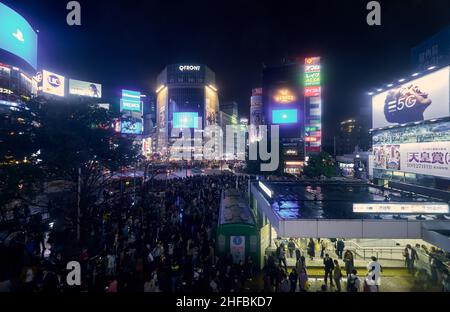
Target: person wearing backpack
{"points": [[353, 282]]}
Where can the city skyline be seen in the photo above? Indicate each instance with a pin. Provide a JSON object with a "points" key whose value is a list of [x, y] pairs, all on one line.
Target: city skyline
{"points": [[202, 36]]}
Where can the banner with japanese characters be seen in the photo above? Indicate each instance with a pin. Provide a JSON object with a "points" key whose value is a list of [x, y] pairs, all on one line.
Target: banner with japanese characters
{"points": [[430, 158]]}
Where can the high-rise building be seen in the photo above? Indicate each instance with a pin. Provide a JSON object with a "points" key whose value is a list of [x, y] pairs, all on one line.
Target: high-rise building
{"points": [[230, 108], [351, 136], [432, 52], [186, 98], [283, 105]]}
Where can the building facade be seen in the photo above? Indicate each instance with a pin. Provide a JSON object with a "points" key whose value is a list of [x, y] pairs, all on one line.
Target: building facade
{"points": [[283, 105], [186, 98]]}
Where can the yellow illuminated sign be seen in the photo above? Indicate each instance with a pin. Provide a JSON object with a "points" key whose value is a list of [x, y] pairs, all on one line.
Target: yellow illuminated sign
{"points": [[284, 96]]}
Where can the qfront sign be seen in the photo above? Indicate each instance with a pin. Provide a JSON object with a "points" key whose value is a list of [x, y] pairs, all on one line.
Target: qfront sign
{"points": [[189, 67]]}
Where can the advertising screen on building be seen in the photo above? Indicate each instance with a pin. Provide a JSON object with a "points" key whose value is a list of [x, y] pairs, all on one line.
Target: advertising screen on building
{"points": [[399, 208], [185, 120], [421, 99], [284, 116], [430, 158], [84, 88], [129, 127], [53, 83], [131, 101], [17, 36]]}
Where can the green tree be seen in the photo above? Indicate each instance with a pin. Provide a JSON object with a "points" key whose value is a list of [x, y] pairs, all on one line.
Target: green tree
{"points": [[320, 165], [73, 140]]}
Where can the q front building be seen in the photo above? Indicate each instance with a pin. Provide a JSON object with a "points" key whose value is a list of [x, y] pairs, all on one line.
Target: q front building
{"points": [[186, 98]]}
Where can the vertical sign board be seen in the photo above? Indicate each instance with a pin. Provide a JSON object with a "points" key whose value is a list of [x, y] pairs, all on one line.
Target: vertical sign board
{"points": [[237, 248], [313, 104]]}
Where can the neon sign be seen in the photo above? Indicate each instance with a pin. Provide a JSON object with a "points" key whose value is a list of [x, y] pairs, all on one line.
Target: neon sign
{"points": [[284, 96]]}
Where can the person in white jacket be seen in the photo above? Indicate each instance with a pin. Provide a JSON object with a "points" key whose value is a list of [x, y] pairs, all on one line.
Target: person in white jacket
{"points": [[375, 270]]}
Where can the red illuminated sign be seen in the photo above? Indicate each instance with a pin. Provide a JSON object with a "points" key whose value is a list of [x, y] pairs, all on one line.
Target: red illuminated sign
{"points": [[312, 91]]}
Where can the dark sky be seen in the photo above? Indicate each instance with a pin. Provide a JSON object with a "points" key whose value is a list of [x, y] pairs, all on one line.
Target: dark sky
{"points": [[125, 44]]}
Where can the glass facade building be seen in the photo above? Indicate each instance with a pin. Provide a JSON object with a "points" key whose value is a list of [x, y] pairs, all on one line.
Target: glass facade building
{"points": [[184, 88]]}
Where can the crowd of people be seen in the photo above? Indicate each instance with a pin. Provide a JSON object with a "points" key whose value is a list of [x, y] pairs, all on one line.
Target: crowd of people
{"points": [[162, 240]]}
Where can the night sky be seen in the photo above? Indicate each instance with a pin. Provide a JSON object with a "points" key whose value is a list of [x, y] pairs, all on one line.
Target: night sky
{"points": [[125, 44]]}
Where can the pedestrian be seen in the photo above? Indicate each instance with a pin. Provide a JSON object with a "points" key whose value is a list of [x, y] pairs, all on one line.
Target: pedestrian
{"points": [[285, 285], [291, 247], [446, 281], [348, 260], [282, 257], [375, 269], [328, 267], [293, 276], [298, 254], [337, 275], [411, 256], [303, 280], [311, 249], [340, 245], [353, 282]]}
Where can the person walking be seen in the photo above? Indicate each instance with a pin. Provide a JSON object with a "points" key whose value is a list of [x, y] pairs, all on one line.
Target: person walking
{"points": [[303, 280], [337, 275], [311, 249], [282, 257], [375, 270], [411, 256], [340, 245], [353, 282], [348, 260], [291, 247], [298, 254], [293, 277], [328, 267]]}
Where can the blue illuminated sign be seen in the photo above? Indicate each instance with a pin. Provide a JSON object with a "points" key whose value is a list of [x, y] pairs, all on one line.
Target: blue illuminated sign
{"points": [[129, 127], [17, 36], [131, 101], [185, 120], [284, 116]]}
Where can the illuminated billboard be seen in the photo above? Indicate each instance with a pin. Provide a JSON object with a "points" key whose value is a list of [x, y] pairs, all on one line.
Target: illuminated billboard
{"points": [[284, 96], [313, 104], [284, 116], [399, 208], [84, 88], [131, 101], [129, 127], [185, 120], [312, 79], [53, 83], [17, 36], [421, 99], [430, 158]]}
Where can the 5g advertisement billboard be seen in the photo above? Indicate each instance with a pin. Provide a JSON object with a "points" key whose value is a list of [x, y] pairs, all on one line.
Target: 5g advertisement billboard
{"points": [[17, 36], [421, 99]]}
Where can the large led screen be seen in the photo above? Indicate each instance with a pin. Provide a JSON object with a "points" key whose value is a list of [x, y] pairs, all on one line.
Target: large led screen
{"points": [[17, 36], [131, 101], [84, 88], [421, 99], [185, 120], [284, 116], [129, 127]]}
